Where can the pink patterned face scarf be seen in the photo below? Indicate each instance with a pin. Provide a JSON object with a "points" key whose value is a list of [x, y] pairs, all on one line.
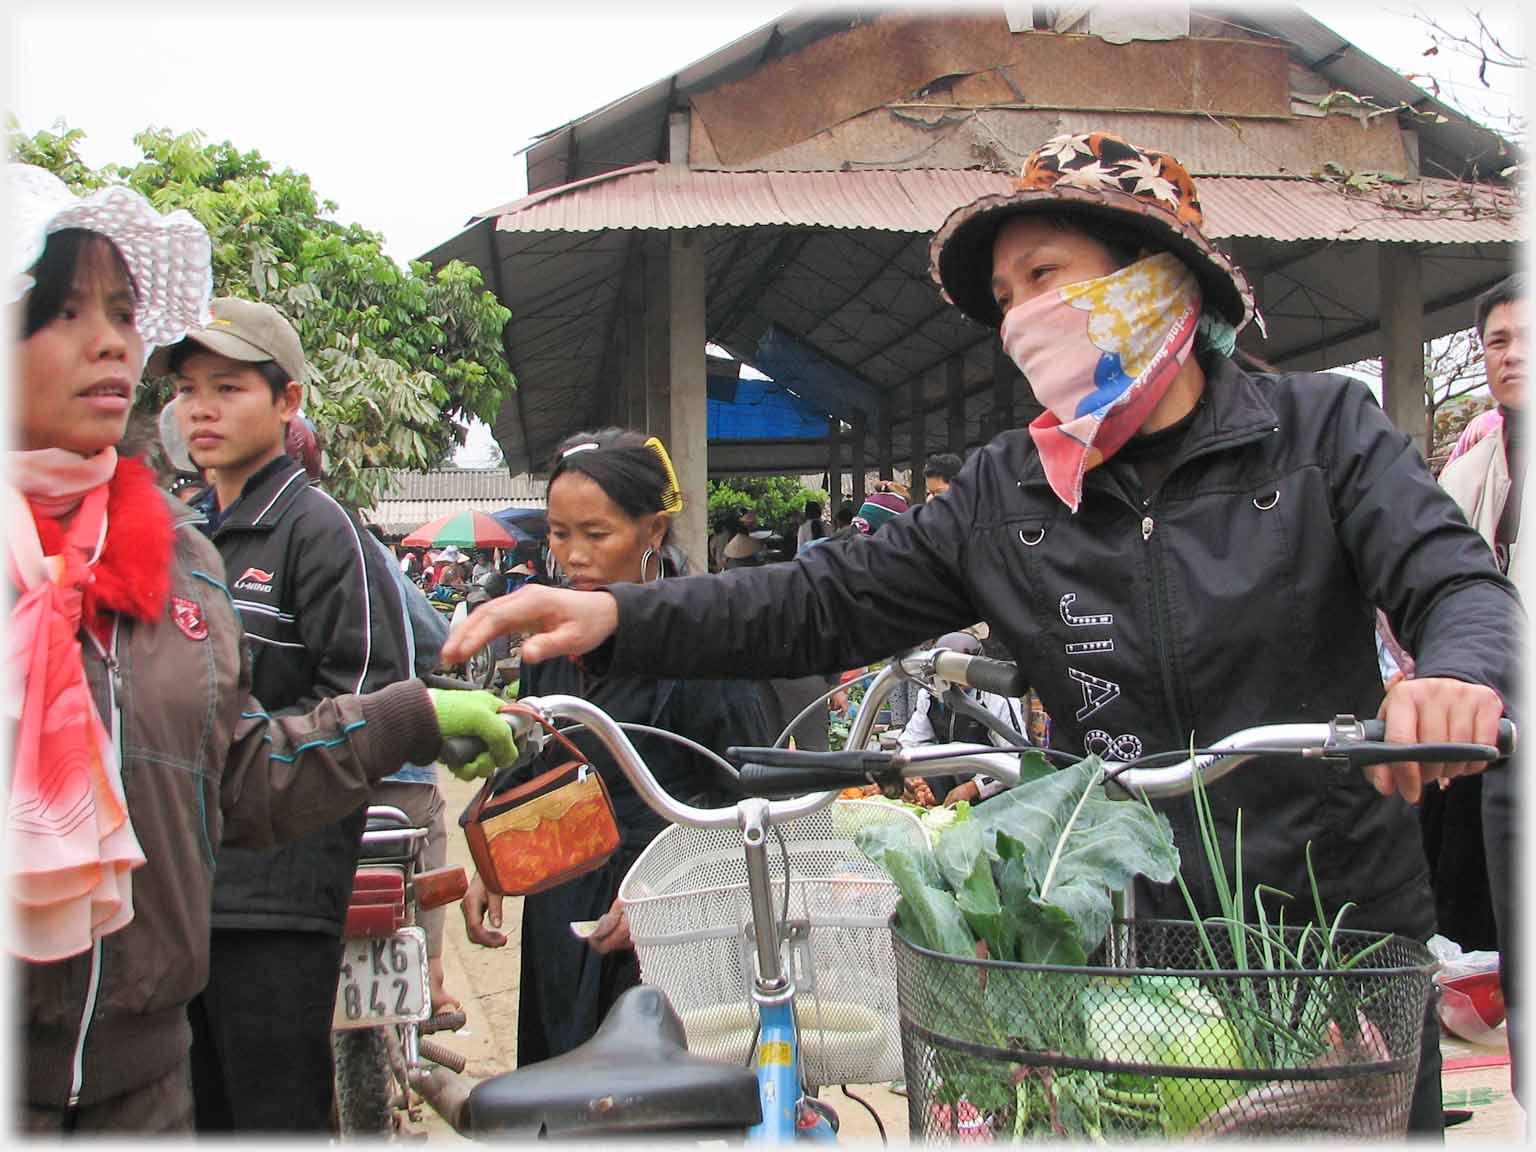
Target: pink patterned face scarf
{"points": [[69, 843], [1099, 355]]}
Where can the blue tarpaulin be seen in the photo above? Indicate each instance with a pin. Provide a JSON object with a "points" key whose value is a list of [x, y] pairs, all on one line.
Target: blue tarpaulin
{"points": [[824, 386], [750, 409]]}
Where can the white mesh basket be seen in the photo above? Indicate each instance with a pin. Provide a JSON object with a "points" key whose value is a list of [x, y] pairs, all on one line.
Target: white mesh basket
{"points": [[690, 918]]}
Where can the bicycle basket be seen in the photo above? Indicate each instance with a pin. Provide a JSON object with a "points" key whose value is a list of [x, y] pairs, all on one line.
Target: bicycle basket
{"points": [[1161, 1049], [690, 919]]}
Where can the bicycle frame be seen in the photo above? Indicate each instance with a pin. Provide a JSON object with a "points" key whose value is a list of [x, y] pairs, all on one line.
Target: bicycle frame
{"points": [[773, 991]]}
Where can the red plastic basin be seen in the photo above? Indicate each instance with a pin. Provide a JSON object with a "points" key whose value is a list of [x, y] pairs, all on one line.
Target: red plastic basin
{"points": [[1484, 993]]}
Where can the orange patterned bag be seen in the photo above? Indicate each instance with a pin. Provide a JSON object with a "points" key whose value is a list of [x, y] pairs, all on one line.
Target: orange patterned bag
{"points": [[540, 834]]}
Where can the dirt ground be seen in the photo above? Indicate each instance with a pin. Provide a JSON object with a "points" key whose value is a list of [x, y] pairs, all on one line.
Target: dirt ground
{"points": [[485, 980]]}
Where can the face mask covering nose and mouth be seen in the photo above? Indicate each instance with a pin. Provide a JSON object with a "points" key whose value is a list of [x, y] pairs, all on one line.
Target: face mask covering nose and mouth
{"points": [[1099, 355]]}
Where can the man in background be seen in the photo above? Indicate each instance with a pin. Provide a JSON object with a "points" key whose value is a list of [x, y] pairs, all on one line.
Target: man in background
{"points": [[939, 473], [322, 616]]}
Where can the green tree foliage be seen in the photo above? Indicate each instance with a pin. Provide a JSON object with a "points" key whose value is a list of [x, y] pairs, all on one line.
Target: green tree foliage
{"points": [[398, 358], [777, 500]]}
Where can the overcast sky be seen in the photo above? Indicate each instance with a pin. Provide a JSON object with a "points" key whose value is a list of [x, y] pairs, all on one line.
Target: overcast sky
{"points": [[410, 116]]}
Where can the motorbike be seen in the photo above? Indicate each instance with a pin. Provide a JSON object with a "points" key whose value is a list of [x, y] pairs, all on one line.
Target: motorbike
{"points": [[383, 1013]]}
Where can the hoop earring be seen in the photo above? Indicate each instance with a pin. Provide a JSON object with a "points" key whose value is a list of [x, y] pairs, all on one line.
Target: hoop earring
{"points": [[645, 563]]}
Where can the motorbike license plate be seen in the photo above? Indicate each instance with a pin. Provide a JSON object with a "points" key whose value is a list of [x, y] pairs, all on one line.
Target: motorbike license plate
{"points": [[383, 981]]}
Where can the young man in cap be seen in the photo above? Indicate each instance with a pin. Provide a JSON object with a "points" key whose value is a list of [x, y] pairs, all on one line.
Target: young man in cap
{"points": [[324, 619]]}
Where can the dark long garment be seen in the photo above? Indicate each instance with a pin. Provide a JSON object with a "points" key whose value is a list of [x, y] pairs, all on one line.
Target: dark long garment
{"points": [[567, 987]]}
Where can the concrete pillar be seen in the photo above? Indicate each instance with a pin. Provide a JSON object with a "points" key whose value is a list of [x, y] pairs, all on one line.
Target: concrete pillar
{"points": [[954, 393], [1004, 373], [917, 423], [835, 461], [860, 435], [676, 401], [883, 448], [658, 336], [1402, 330], [633, 362]]}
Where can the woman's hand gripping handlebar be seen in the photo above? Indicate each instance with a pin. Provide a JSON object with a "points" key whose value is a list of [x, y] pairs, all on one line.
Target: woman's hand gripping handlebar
{"points": [[1371, 745], [532, 717]]}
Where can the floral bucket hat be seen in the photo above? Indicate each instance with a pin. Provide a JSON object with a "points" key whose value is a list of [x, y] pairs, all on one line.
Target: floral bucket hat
{"points": [[1090, 174], [169, 253]]}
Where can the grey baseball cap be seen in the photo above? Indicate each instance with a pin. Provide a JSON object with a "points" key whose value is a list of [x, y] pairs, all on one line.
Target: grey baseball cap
{"points": [[242, 330]]}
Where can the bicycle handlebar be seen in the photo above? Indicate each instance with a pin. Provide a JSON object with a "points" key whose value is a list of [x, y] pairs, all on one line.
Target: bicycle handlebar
{"points": [[815, 778]]}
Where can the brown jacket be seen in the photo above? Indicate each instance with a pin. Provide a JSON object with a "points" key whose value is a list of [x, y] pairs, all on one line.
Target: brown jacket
{"points": [[202, 764]]}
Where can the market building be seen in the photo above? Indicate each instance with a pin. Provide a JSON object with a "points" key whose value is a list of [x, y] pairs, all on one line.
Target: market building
{"points": [[776, 200]]}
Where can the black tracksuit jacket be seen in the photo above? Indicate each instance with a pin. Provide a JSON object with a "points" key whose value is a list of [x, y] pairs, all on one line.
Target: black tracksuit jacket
{"points": [[1239, 593], [322, 618]]}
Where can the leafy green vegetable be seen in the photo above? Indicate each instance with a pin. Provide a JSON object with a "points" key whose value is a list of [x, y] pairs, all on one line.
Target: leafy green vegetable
{"points": [[1027, 879], [1030, 872]]}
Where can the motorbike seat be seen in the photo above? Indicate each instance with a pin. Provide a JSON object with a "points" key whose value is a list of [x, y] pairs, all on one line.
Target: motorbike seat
{"points": [[634, 1077]]}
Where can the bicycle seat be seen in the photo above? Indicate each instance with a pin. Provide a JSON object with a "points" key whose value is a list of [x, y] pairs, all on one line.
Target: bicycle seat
{"points": [[634, 1077]]}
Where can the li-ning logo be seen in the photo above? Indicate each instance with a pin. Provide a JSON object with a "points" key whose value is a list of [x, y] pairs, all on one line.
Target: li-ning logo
{"points": [[255, 580]]}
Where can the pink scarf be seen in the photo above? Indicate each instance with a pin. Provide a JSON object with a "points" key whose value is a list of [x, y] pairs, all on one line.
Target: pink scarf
{"points": [[70, 844], [1099, 355]]}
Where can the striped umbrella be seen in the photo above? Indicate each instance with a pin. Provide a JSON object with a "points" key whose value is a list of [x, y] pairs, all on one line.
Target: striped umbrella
{"points": [[462, 530]]}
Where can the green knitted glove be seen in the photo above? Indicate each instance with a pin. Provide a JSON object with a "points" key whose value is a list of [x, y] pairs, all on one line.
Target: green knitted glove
{"points": [[474, 714]]}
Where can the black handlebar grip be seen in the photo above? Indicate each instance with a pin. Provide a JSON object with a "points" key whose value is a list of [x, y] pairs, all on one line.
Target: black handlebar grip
{"points": [[460, 750], [1375, 731], [996, 676], [778, 782], [854, 764]]}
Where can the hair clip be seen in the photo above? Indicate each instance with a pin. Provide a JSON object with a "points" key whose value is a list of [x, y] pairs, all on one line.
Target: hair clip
{"points": [[672, 494], [589, 446]]}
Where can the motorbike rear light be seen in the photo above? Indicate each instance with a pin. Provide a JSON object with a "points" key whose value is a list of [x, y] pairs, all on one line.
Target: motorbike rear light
{"points": [[373, 920], [377, 904], [439, 886]]}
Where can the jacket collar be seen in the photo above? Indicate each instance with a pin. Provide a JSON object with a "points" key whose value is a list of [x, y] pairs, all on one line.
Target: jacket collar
{"points": [[265, 498], [1233, 413]]}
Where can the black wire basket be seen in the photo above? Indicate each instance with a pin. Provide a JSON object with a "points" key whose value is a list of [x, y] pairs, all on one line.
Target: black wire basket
{"points": [[1156, 1042]]}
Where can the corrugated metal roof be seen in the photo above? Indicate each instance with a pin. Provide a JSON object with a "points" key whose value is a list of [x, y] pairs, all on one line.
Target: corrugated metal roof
{"points": [[917, 200], [463, 484], [411, 499]]}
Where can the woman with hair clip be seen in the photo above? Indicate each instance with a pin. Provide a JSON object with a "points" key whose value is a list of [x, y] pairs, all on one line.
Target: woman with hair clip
{"points": [[612, 496]]}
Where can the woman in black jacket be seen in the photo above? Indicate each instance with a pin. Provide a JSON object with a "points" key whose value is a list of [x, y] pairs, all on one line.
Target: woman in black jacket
{"points": [[611, 500], [1174, 550]]}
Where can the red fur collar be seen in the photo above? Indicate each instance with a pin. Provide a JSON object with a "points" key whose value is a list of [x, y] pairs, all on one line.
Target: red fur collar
{"points": [[133, 574]]}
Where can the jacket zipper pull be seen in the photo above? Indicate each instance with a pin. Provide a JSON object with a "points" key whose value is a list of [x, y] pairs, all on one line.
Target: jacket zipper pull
{"points": [[116, 672], [1146, 527]]}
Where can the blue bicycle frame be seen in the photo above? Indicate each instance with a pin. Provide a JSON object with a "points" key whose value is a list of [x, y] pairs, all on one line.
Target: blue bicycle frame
{"points": [[785, 1117]]}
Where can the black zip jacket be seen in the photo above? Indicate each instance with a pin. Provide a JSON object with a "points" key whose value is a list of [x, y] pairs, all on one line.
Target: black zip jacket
{"points": [[1239, 593], [322, 618]]}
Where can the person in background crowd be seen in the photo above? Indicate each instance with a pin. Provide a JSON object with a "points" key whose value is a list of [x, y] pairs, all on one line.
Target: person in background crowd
{"points": [[743, 550], [1169, 510], [877, 511], [413, 789], [813, 527], [939, 472], [322, 609], [727, 525], [935, 722], [1468, 827], [108, 572], [612, 496]]}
